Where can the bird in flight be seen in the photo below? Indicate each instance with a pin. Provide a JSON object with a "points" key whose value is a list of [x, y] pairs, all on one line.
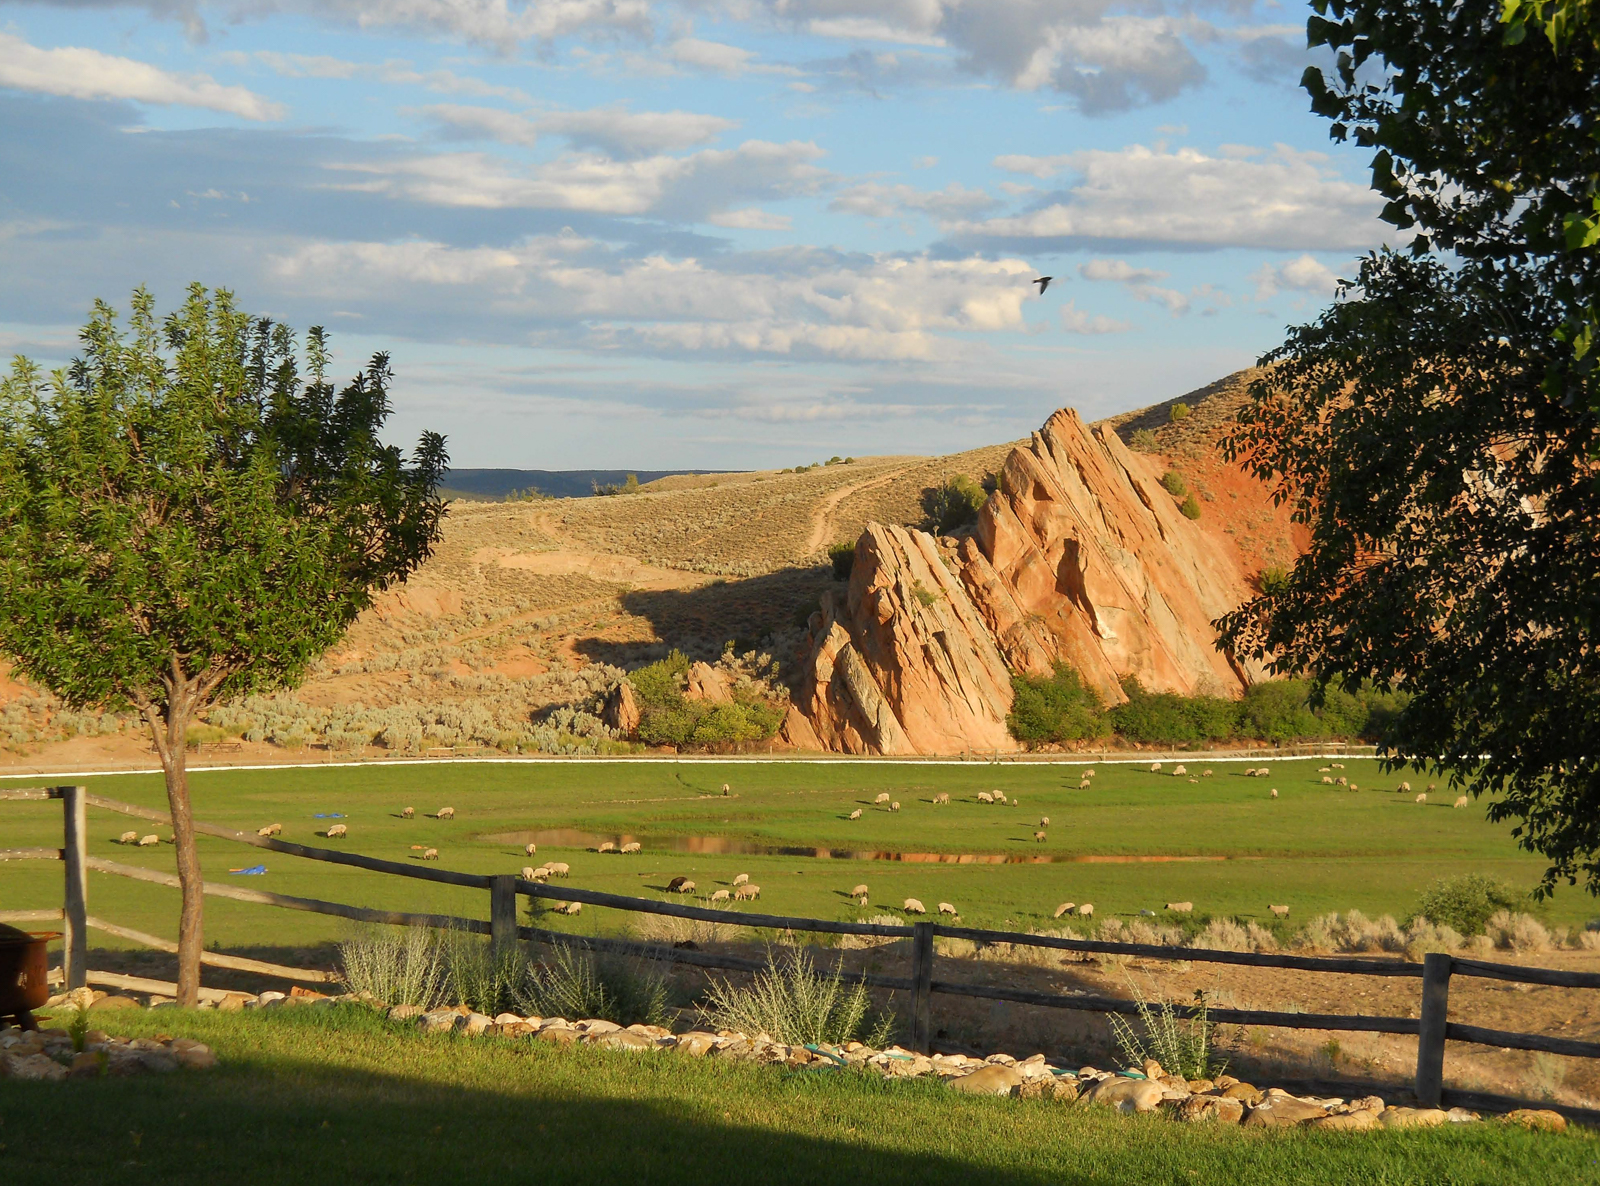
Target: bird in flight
{"points": [[1043, 282]]}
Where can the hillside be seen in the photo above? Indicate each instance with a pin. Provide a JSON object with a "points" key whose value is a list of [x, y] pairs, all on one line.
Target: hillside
{"points": [[530, 609]]}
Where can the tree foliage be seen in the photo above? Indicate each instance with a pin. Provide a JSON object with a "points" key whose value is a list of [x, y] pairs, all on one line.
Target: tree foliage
{"points": [[1436, 428], [182, 519], [953, 503]]}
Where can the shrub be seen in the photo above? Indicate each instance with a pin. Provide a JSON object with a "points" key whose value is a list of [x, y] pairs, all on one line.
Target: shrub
{"points": [[657, 683], [843, 559], [953, 503], [1274, 579], [1144, 441], [925, 596], [1181, 1046], [607, 489], [667, 717], [475, 976], [1466, 903], [1190, 507], [794, 1003], [1174, 483], [1056, 709], [1169, 719], [577, 985], [1180, 411], [397, 965], [1278, 711]]}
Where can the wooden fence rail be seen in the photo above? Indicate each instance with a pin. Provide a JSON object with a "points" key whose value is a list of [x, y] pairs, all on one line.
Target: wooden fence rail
{"points": [[1432, 1028]]}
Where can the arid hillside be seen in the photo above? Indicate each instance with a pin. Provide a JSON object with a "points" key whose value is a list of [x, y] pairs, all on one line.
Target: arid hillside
{"points": [[529, 610]]}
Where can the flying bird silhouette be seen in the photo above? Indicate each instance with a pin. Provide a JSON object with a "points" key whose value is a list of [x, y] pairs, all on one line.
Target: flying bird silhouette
{"points": [[1043, 282]]}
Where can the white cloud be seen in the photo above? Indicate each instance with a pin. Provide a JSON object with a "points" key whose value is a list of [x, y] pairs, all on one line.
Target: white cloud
{"points": [[1118, 271], [395, 71], [716, 57], [751, 219], [1282, 199], [873, 200], [1305, 274], [1075, 321], [615, 131], [79, 73], [493, 23], [484, 123]]}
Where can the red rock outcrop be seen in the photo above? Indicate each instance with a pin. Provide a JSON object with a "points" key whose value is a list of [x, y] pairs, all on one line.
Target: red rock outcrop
{"points": [[1080, 556]]}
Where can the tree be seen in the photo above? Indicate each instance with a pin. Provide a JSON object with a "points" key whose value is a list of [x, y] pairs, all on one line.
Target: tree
{"points": [[1436, 428], [182, 521]]}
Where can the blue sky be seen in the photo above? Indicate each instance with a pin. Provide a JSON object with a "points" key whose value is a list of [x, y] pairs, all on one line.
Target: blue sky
{"points": [[704, 234]]}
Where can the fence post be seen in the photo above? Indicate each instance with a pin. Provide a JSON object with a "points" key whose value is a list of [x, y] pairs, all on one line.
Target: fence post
{"points": [[921, 977], [75, 906], [1436, 968], [503, 914]]}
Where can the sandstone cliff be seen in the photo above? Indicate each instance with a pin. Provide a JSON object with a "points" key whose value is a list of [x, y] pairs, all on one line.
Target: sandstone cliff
{"points": [[1080, 555]]}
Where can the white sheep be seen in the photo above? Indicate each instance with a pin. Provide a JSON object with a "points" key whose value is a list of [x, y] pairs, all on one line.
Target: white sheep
{"points": [[1262, 772], [1089, 773], [532, 850], [747, 893], [941, 798], [724, 788], [1273, 793], [1423, 797], [947, 908], [570, 908], [559, 869], [913, 906], [1280, 911], [269, 830], [1039, 836], [1154, 767], [528, 872], [1461, 801], [741, 879], [1180, 907], [1353, 787], [1065, 908], [883, 797], [1327, 781], [430, 854], [720, 896], [1178, 771], [895, 806], [856, 814], [859, 892], [1323, 769], [1406, 787], [999, 796], [1338, 765], [1342, 781], [336, 831], [128, 838], [607, 846], [1086, 910], [680, 885], [445, 813], [985, 797], [1083, 785], [408, 813], [542, 873], [631, 846], [1044, 821], [1205, 774]]}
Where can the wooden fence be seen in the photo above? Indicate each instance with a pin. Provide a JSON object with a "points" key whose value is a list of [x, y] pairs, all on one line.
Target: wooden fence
{"points": [[1432, 1027]]}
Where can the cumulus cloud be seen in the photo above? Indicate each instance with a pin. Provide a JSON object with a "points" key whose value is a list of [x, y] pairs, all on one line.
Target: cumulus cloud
{"points": [[395, 71], [716, 57], [1075, 321], [750, 219], [1305, 274], [874, 200], [615, 131], [78, 73], [1141, 282], [1282, 199]]}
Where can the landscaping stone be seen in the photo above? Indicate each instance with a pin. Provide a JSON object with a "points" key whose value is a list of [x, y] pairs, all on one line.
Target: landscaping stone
{"points": [[160, 1062], [1412, 1117], [1357, 1121], [1462, 1116], [440, 1021], [994, 1079], [1126, 1095], [475, 1023], [88, 1064], [618, 1039], [1540, 1119], [116, 1002], [405, 1012], [1207, 1109], [1282, 1112], [559, 1035], [696, 1044], [31, 1066], [1243, 1092]]}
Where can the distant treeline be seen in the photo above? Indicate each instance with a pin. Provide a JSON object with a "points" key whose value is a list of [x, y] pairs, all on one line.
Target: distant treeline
{"points": [[1059, 708], [492, 485]]}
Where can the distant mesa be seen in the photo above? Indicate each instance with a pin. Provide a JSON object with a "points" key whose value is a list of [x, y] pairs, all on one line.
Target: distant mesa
{"points": [[492, 485]]}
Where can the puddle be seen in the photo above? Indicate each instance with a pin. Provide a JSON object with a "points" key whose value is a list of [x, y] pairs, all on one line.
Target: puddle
{"points": [[728, 846]]}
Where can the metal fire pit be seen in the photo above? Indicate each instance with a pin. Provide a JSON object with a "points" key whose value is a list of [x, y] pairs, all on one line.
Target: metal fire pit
{"points": [[23, 966]]}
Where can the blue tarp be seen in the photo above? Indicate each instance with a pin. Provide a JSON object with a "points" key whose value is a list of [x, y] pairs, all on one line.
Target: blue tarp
{"points": [[250, 871]]}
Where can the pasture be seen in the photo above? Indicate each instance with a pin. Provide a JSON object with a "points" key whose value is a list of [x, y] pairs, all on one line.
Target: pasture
{"points": [[1134, 840]]}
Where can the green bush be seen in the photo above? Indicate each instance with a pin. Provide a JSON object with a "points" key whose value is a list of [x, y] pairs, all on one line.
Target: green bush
{"points": [[1144, 441], [1174, 483], [607, 489], [1190, 507], [574, 984], [1466, 903], [667, 717], [475, 976], [1278, 711], [843, 559], [657, 684], [794, 1003], [953, 503], [1056, 709], [1274, 579], [1166, 718], [1180, 411], [397, 965]]}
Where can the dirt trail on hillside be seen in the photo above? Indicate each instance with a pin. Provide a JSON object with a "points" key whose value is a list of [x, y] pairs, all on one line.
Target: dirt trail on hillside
{"points": [[823, 515]]}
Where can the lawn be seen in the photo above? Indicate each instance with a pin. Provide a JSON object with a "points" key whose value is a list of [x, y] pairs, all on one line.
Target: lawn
{"points": [[1221, 843], [340, 1095]]}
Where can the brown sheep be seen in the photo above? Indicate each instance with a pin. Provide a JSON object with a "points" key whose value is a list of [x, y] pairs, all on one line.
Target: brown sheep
{"points": [[269, 830], [680, 885]]}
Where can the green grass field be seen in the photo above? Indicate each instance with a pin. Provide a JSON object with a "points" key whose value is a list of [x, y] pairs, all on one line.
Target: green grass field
{"points": [[1315, 848], [339, 1095]]}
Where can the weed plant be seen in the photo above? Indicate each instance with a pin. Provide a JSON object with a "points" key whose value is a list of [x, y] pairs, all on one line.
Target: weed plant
{"points": [[576, 984], [1182, 1045], [792, 1002], [396, 965]]}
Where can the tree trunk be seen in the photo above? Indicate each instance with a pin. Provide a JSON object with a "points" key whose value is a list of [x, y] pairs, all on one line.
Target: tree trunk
{"points": [[170, 724]]}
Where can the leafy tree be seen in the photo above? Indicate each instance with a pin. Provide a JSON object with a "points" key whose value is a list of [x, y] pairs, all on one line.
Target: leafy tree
{"points": [[954, 502], [1057, 708], [182, 521], [1436, 429], [843, 558]]}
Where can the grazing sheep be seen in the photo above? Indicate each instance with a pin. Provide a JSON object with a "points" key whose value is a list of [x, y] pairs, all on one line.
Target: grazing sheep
{"points": [[677, 883], [856, 814], [1338, 765], [862, 900], [1039, 836], [1273, 793], [1353, 787], [133, 838], [607, 846], [445, 813], [1178, 771], [883, 797], [570, 908], [1089, 773], [559, 869], [430, 854], [1065, 908], [1044, 821], [1180, 907], [1086, 910], [408, 813], [999, 796], [335, 832], [631, 846], [859, 892], [741, 879], [1461, 801], [1083, 785], [724, 788], [1323, 769], [1342, 781], [542, 873], [528, 872], [1196, 781], [1205, 774], [913, 906], [1423, 797], [895, 806], [747, 893], [1154, 766], [1432, 786], [1406, 787], [686, 888], [269, 830], [1280, 911], [720, 896], [947, 908], [942, 798], [985, 797], [1327, 781], [532, 850]]}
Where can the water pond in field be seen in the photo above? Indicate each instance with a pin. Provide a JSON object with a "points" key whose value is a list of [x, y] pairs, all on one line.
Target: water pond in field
{"points": [[729, 846]]}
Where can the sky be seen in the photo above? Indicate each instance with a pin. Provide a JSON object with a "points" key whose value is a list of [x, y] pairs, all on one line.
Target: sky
{"points": [[709, 234]]}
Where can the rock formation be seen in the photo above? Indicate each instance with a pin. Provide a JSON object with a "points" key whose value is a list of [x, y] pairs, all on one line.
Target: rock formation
{"points": [[1080, 556]]}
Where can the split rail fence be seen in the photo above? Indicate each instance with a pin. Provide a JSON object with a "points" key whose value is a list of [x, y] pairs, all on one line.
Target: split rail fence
{"points": [[1432, 1028]]}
